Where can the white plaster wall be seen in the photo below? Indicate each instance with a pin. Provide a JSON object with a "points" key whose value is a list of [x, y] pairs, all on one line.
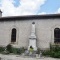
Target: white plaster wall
{"points": [[44, 32]]}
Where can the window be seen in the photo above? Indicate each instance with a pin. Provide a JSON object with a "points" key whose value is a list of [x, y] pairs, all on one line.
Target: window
{"points": [[13, 35], [57, 35]]}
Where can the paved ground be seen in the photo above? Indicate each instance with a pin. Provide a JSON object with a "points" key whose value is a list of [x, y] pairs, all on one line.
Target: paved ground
{"points": [[17, 57]]}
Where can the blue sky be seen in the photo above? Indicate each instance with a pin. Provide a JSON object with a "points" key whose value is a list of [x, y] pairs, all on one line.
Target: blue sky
{"points": [[50, 6], [29, 7], [16, 4]]}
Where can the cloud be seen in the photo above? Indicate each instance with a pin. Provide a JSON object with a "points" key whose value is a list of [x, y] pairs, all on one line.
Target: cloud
{"points": [[26, 7], [58, 11], [42, 13]]}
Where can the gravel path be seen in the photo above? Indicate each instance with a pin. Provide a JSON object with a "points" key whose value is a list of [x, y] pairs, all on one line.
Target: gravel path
{"points": [[18, 57]]}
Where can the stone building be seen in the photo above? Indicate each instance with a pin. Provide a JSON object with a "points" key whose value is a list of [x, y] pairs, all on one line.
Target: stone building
{"points": [[16, 30]]}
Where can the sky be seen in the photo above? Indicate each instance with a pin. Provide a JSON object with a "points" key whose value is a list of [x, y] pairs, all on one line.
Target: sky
{"points": [[29, 7]]}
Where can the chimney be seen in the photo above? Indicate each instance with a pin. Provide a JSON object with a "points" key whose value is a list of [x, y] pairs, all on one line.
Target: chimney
{"points": [[0, 13]]}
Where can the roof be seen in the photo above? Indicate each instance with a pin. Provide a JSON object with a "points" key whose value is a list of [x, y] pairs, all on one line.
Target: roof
{"points": [[30, 17]]}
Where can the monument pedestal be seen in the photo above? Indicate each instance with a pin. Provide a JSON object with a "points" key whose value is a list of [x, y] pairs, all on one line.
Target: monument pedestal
{"points": [[33, 44]]}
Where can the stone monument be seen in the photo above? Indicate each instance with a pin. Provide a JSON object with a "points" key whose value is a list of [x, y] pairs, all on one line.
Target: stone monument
{"points": [[32, 38]]}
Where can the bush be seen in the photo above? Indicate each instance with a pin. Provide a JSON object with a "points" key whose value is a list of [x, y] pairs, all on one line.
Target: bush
{"points": [[57, 55], [16, 50], [53, 52], [2, 49], [57, 48], [9, 48], [46, 53], [13, 50]]}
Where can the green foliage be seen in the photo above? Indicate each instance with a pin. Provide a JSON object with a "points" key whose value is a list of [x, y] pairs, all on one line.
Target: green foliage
{"points": [[16, 50], [53, 52], [22, 49], [46, 53], [9, 48], [55, 55], [56, 48], [2, 49], [38, 51]]}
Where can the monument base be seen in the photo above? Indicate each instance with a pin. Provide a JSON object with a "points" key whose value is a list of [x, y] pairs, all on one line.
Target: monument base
{"points": [[32, 42]]}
